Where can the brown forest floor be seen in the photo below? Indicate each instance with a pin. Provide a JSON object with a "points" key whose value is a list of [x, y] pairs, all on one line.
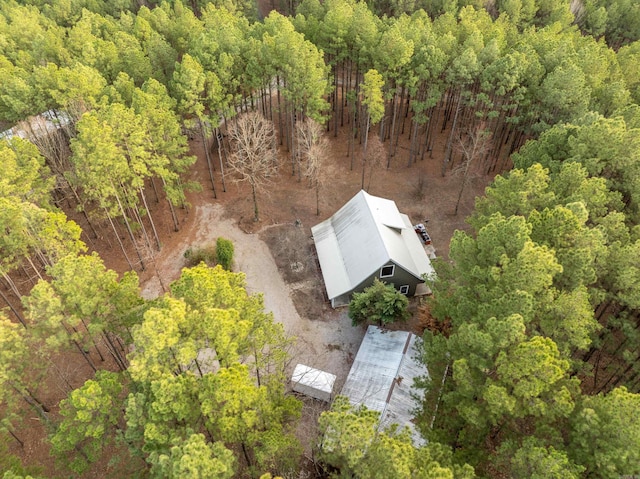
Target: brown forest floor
{"points": [[419, 191]]}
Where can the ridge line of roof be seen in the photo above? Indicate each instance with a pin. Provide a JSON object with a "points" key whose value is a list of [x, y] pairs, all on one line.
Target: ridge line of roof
{"points": [[377, 225]]}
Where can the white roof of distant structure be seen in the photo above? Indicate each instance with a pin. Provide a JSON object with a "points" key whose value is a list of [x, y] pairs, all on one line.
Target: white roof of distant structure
{"points": [[381, 377], [11, 133], [47, 121], [313, 382], [363, 235]]}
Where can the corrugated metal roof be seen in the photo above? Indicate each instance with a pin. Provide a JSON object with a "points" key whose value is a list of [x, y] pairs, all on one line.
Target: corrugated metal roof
{"points": [[401, 402], [362, 236], [382, 374]]}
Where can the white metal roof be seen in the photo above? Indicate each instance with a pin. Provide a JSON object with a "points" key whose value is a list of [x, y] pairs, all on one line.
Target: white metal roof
{"points": [[313, 382], [382, 374], [402, 401], [47, 121], [362, 236], [320, 380]]}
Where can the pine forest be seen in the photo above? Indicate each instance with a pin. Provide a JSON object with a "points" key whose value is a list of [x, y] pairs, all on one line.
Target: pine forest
{"points": [[133, 129]]}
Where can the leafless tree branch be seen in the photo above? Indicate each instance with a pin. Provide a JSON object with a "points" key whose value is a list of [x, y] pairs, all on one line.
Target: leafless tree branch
{"points": [[254, 156], [472, 146], [312, 151]]}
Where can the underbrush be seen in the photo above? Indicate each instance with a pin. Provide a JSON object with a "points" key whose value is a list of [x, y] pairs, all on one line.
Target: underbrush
{"points": [[221, 253], [195, 256]]}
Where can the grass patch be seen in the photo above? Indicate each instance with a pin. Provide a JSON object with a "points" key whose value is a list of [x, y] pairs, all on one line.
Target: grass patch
{"points": [[221, 253], [195, 256]]}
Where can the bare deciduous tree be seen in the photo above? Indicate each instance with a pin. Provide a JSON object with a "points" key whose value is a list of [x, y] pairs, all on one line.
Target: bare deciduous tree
{"points": [[312, 154], [50, 141], [51, 137], [472, 146], [254, 157]]}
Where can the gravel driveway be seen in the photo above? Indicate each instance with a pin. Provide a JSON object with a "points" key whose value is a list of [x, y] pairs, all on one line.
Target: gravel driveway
{"points": [[324, 344]]}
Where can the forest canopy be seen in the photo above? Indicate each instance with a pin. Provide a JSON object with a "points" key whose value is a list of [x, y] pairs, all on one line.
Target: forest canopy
{"points": [[534, 363]]}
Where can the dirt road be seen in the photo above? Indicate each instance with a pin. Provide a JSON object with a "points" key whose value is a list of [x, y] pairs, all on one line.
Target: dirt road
{"points": [[329, 344]]}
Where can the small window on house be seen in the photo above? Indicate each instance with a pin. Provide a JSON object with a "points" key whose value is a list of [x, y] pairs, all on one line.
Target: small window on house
{"points": [[387, 271], [404, 289]]}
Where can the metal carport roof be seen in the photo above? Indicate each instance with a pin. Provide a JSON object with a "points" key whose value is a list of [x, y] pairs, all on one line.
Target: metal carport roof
{"points": [[382, 374]]}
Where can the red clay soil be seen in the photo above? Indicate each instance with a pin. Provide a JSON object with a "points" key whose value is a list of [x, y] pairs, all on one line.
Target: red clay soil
{"points": [[419, 191]]}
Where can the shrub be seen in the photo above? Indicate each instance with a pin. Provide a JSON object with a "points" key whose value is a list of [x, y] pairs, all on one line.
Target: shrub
{"points": [[195, 256], [380, 303], [224, 253]]}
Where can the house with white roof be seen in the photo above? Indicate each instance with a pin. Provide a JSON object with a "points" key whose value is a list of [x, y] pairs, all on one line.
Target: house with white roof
{"points": [[369, 238]]}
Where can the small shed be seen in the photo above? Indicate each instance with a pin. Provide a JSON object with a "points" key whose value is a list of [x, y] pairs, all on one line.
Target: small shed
{"points": [[313, 382], [369, 238], [382, 374]]}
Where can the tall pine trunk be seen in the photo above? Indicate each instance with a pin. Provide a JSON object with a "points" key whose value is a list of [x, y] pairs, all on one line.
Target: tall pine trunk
{"points": [[447, 154], [364, 152], [14, 310], [153, 226], [222, 152], [393, 126], [207, 154], [117, 234]]}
